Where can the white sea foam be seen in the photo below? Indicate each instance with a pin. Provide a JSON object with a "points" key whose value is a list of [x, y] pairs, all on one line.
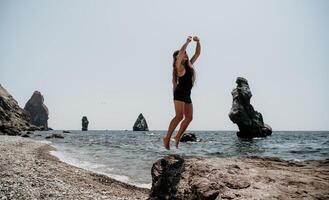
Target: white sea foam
{"points": [[95, 167], [144, 185], [65, 157], [45, 141]]}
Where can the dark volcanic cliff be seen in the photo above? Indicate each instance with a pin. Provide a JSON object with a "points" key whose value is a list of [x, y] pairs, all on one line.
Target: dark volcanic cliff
{"points": [[13, 119]]}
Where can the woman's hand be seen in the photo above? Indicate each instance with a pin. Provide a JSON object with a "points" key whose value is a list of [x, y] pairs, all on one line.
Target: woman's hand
{"points": [[189, 39], [196, 39]]}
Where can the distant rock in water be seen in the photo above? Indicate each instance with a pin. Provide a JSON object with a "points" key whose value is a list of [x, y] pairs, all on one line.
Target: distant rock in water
{"points": [[249, 121], [140, 124], [13, 119], [85, 123], [188, 137], [55, 135], [180, 178], [25, 135], [38, 110]]}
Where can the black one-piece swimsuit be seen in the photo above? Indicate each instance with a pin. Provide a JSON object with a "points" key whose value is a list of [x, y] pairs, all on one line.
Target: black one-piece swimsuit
{"points": [[183, 90]]}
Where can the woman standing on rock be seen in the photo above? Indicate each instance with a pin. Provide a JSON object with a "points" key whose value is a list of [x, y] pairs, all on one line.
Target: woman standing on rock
{"points": [[183, 80]]}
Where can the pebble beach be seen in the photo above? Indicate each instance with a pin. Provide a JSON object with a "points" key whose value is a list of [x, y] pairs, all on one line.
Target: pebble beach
{"points": [[29, 171]]}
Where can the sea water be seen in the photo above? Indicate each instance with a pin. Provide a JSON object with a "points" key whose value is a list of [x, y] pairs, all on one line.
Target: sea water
{"points": [[128, 156]]}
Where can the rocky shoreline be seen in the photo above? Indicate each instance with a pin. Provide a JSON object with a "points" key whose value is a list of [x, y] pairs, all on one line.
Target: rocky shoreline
{"points": [[29, 171], [191, 178]]}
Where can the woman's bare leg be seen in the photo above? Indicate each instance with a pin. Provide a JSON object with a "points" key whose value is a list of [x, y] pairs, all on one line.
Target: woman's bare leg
{"points": [[179, 110], [188, 113]]}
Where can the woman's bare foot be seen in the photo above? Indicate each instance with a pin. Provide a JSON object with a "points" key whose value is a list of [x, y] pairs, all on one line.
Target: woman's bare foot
{"points": [[177, 142], [166, 142]]}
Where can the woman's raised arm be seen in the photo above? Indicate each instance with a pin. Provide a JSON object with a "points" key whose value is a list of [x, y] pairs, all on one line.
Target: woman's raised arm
{"points": [[197, 50], [181, 52]]}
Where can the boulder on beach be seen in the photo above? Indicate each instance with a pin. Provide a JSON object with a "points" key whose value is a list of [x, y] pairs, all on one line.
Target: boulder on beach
{"points": [[188, 137], [242, 113], [55, 135], [13, 119], [178, 177], [140, 124], [25, 135], [38, 110], [85, 123]]}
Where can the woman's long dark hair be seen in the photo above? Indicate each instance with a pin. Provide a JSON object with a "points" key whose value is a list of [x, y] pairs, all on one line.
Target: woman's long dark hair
{"points": [[174, 72]]}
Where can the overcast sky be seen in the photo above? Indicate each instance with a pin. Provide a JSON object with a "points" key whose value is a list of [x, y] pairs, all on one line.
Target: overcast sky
{"points": [[111, 60]]}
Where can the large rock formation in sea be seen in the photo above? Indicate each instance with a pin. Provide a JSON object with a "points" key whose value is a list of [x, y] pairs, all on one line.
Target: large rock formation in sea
{"points": [[38, 110], [249, 121], [13, 119], [140, 124], [194, 178], [85, 123]]}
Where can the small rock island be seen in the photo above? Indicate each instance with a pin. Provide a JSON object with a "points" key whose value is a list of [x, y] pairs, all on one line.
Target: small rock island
{"points": [[85, 123], [140, 124]]}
